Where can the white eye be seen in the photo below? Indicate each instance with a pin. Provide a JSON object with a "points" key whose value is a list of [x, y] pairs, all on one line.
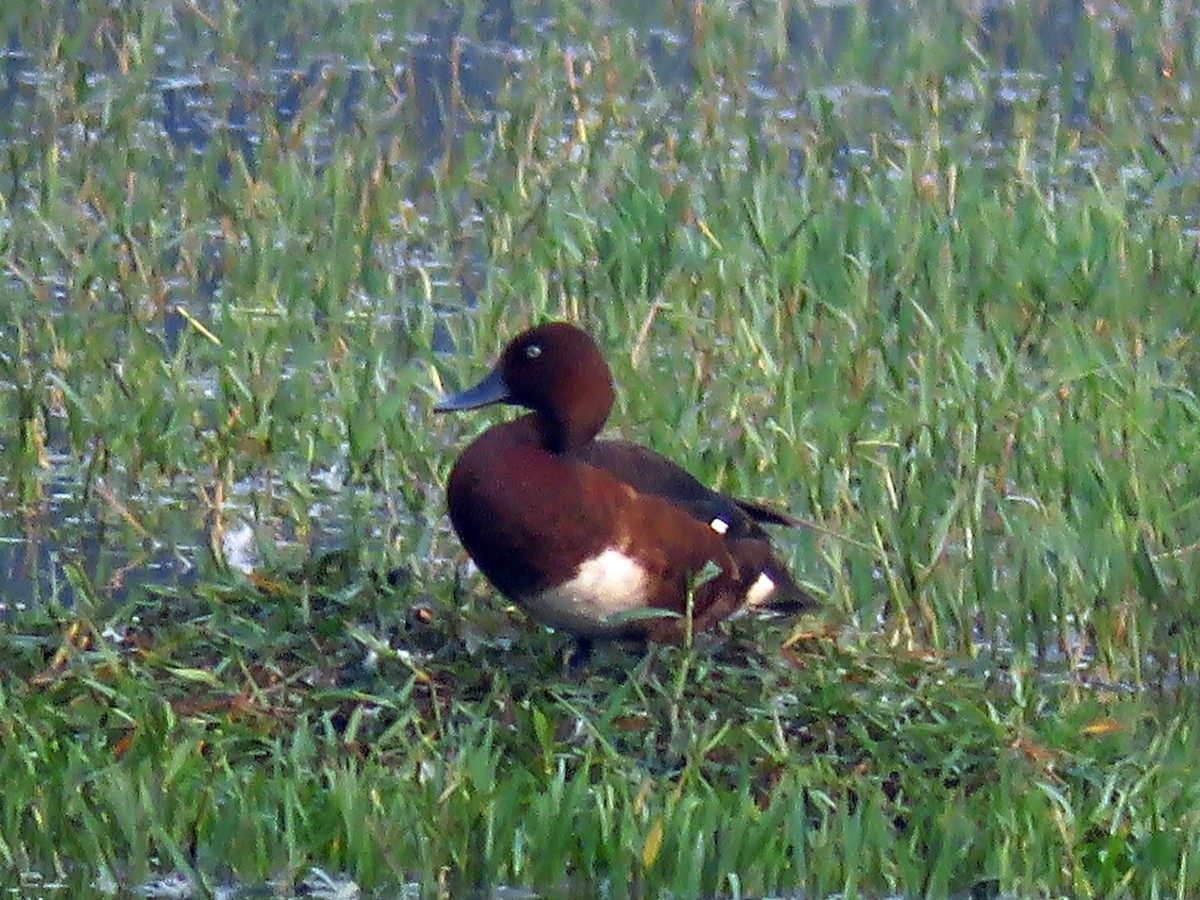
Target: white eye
{"points": [[533, 351]]}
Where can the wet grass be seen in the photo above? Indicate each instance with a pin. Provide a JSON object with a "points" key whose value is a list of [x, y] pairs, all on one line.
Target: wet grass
{"points": [[228, 737], [935, 293]]}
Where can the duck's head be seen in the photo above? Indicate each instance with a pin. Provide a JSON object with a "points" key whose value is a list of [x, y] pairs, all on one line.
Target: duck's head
{"points": [[555, 370]]}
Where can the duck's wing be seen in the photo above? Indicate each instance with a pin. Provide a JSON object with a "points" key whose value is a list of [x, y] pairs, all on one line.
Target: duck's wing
{"points": [[767, 515], [653, 474]]}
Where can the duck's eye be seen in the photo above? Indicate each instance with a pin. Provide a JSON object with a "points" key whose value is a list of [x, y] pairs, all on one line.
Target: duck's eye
{"points": [[533, 351]]}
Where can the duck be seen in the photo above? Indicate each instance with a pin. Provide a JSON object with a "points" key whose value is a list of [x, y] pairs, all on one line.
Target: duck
{"points": [[602, 539]]}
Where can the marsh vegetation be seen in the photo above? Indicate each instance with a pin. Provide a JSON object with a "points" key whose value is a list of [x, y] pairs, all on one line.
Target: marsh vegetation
{"points": [[923, 274]]}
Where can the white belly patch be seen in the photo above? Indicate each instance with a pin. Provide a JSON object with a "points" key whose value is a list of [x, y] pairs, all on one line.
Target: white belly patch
{"points": [[591, 603]]}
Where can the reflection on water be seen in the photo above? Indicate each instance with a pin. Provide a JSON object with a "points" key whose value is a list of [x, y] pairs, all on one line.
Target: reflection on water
{"points": [[432, 78], [63, 545]]}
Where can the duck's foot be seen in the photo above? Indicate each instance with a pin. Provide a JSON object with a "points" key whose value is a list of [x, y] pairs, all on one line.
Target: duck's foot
{"points": [[577, 656]]}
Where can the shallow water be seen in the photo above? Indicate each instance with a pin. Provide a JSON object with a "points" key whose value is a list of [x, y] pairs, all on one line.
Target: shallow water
{"points": [[427, 68]]}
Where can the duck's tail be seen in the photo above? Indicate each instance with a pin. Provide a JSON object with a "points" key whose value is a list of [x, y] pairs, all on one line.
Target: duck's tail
{"points": [[768, 583]]}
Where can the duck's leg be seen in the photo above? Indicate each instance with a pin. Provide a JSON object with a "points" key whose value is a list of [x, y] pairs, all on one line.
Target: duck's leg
{"points": [[577, 656]]}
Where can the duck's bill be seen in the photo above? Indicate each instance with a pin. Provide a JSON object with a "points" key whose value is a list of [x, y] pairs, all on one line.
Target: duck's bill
{"points": [[491, 390]]}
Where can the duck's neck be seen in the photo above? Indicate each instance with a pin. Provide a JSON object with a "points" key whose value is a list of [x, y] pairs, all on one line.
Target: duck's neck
{"points": [[559, 436], [577, 412]]}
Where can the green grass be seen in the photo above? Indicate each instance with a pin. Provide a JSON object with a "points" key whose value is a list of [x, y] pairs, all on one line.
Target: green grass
{"points": [[929, 282], [228, 748]]}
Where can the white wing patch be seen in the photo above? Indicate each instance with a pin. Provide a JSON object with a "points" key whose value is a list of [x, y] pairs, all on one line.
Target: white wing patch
{"points": [[604, 586], [719, 525]]}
